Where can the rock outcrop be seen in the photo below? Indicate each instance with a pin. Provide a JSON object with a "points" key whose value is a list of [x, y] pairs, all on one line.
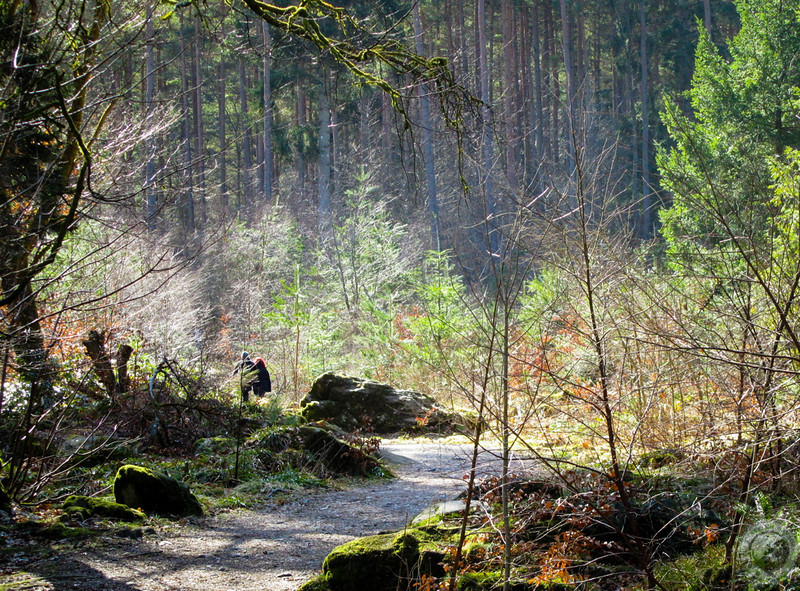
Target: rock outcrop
{"points": [[355, 403], [153, 492]]}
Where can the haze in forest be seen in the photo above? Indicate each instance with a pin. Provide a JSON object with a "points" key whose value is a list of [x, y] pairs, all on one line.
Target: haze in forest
{"points": [[576, 222]]}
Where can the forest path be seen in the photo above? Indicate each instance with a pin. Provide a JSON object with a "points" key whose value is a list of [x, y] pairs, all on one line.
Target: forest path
{"points": [[278, 547]]}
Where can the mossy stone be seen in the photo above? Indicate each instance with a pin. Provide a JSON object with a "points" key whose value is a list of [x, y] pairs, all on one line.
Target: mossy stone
{"points": [[154, 492], [369, 561], [86, 507], [379, 562]]}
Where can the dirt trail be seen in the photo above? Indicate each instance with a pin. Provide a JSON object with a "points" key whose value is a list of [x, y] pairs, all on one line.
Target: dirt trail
{"points": [[273, 549]]}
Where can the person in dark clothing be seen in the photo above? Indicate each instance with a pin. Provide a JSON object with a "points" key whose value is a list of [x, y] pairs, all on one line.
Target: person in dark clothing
{"points": [[246, 369], [254, 376], [261, 384]]}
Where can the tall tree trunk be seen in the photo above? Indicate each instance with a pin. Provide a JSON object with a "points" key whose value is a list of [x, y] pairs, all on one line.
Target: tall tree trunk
{"points": [[187, 207], [387, 116], [427, 139], [301, 157], [267, 115], [566, 42], [462, 39], [222, 161], [645, 231], [538, 119], [487, 150], [365, 121], [511, 92], [707, 16], [324, 165], [533, 84], [555, 90], [247, 151], [198, 109], [151, 208], [334, 126], [629, 100], [526, 104], [33, 362]]}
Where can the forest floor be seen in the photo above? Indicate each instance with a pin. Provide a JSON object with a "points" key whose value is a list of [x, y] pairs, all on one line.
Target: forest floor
{"points": [[276, 547]]}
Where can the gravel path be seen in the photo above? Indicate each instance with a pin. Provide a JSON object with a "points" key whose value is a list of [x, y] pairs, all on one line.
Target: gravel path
{"points": [[274, 549]]}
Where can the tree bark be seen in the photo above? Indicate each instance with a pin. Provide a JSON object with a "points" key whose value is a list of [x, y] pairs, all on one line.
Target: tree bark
{"points": [[511, 93], [645, 231], [487, 149], [267, 116], [427, 139], [124, 353], [246, 205], [151, 211], [95, 344], [324, 217], [539, 119], [301, 158], [200, 152], [187, 207], [566, 42], [221, 120]]}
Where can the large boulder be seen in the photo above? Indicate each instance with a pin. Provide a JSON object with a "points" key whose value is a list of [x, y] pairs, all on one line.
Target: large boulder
{"points": [[153, 492], [355, 403]]}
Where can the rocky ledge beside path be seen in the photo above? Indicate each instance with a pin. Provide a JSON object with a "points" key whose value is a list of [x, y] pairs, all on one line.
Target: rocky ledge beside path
{"points": [[276, 548]]}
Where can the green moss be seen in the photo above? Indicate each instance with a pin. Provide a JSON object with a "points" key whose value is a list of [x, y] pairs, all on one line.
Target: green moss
{"points": [[59, 531], [85, 507], [313, 411], [702, 570], [406, 544], [369, 561], [483, 581], [319, 583], [380, 562], [22, 580], [384, 559]]}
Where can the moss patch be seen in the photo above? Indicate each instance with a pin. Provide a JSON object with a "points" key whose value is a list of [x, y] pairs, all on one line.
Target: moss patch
{"points": [[55, 531], [85, 507], [319, 583]]}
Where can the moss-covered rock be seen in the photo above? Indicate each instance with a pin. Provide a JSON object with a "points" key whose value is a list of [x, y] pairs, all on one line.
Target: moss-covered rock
{"points": [[153, 492], [378, 562], [85, 507]]}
